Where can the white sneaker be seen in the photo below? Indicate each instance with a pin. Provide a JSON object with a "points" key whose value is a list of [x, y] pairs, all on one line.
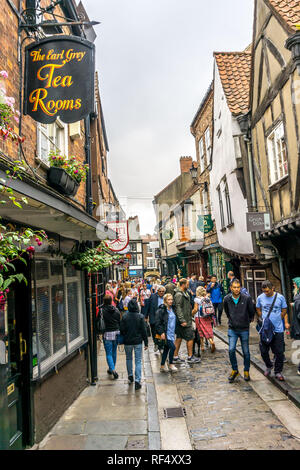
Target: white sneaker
{"points": [[173, 368], [164, 368], [155, 348]]}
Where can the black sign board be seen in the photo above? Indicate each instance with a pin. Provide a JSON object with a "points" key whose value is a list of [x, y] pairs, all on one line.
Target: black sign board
{"points": [[258, 222], [59, 79]]}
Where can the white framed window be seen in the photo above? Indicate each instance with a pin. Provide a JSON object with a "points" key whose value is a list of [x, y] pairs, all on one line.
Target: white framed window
{"points": [[201, 154], [58, 319], [277, 154], [222, 218], [228, 205], [149, 249], [151, 263], [208, 143], [52, 138]]}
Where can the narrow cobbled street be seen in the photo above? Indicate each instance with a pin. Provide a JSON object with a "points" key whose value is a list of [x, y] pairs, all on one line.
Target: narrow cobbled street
{"points": [[218, 415], [230, 416]]}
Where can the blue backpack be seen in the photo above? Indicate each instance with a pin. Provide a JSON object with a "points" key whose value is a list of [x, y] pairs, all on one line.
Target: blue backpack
{"points": [[268, 329]]}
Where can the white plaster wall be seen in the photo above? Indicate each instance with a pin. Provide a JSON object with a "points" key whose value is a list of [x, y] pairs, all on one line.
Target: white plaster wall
{"points": [[235, 238]]}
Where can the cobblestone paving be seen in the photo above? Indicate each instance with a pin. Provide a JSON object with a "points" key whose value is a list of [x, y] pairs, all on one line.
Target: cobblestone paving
{"points": [[227, 416]]}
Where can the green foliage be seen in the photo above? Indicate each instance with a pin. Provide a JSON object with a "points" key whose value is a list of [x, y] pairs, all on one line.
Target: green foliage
{"points": [[91, 260], [77, 170]]}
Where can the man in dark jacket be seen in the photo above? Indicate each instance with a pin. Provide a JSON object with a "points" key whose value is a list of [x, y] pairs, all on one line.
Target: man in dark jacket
{"points": [[240, 311], [184, 328], [216, 291], [154, 302], [231, 277], [133, 328]]}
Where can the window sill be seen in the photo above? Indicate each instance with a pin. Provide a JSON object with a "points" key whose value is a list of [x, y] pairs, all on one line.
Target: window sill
{"points": [[42, 163], [279, 183]]}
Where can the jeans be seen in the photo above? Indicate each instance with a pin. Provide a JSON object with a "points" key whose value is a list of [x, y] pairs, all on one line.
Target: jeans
{"points": [[233, 336], [111, 353], [169, 348], [138, 353], [218, 311], [277, 346]]}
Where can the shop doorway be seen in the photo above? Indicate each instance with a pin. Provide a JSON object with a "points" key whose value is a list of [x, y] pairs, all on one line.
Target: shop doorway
{"points": [[15, 409]]}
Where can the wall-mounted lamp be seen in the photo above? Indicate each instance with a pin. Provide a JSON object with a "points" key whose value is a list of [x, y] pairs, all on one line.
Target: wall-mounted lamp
{"points": [[293, 45]]}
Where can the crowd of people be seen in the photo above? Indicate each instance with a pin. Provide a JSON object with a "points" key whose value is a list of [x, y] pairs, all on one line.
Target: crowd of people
{"points": [[171, 310]]}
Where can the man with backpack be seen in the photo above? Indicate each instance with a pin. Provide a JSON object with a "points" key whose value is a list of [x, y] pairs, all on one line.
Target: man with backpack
{"points": [[272, 307], [216, 291], [240, 311]]}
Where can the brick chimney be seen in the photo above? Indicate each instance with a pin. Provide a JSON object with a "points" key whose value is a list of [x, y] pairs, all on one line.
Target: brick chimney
{"points": [[185, 164]]}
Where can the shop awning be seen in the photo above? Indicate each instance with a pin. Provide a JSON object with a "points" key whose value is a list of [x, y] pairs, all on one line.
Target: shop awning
{"points": [[49, 211]]}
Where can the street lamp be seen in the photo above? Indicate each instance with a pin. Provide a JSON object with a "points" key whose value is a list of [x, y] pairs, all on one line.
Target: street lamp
{"points": [[293, 45], [194, 173]]}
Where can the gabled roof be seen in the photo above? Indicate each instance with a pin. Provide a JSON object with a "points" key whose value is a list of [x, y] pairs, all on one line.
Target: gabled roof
{"points": [[204, 100], [289, 10], [234, 69]]}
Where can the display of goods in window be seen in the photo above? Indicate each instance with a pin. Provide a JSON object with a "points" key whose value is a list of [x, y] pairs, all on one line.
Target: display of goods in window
{"points": [[59, 79], [59, 179]]}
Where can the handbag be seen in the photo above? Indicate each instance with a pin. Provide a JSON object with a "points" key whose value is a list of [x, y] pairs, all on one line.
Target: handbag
{"points": [[268, 329], [148, 329], [100, 324]]}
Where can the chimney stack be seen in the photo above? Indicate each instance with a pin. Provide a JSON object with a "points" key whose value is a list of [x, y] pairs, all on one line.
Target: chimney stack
{"points": [[185, 164]]}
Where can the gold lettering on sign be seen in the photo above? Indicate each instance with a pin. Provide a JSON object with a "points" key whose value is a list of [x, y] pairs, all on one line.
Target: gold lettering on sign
{"points": [[46, 75], [10, 389]]}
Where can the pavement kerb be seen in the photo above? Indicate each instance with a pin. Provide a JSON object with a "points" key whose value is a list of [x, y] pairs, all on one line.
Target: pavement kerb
{"points": [[173, 432], [154, 435], [282, 386]]}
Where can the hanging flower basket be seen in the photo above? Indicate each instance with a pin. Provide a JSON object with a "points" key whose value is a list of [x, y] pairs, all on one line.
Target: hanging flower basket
{"points": [[59, 179]]}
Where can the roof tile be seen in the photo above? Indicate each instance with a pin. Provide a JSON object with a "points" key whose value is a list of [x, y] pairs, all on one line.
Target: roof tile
{"points": [[234, 68], [289, 10]]}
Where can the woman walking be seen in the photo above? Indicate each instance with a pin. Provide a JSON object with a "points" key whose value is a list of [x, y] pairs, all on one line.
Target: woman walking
{"points": [[203, 313], [165, 327], [133, 328], [111, 317]]}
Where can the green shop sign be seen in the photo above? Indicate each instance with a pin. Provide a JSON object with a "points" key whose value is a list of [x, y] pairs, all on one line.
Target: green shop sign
{"points": [[205, 223]]}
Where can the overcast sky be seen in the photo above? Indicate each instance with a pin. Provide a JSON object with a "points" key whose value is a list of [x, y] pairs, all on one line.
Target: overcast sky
{"points": [[155, 63]]}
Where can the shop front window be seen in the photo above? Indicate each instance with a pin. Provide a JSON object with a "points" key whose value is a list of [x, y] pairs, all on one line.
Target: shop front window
{"points": [[58, 320]]}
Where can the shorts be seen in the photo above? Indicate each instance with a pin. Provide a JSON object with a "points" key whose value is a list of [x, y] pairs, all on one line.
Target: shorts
{"points": [[185, 332]]}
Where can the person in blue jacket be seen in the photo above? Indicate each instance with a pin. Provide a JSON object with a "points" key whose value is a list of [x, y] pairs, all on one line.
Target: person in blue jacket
{"points": [[216, 291]]}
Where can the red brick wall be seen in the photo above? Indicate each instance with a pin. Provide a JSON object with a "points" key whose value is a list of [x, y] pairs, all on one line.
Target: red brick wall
{"points": [[8, 62]]}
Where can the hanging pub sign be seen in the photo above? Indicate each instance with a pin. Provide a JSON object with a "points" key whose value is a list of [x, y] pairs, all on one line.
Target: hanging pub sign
{"points": [[205, 223], [59, 79], [120, 243]]}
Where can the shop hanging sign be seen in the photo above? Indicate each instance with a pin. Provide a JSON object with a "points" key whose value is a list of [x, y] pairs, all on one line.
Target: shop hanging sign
{"points": [[120, 243], [59, 79], [258, 221], [205, 223]]}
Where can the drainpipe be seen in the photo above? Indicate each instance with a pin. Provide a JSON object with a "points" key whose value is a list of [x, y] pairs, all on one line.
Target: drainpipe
{"points": [[89, 328], [94, 307], [89, 198]]}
